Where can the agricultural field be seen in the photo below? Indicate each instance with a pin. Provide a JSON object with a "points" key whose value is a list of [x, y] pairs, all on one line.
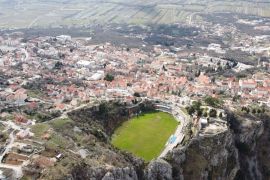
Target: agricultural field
{"points": [[37, 13], [145, 136]]}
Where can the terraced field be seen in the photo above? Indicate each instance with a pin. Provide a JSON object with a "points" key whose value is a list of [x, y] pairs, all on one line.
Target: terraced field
{"points": [[39, 13]]}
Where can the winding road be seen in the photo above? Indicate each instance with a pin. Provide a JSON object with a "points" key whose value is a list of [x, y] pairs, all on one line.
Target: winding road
{"points": [[179, 133], [16, 169]]}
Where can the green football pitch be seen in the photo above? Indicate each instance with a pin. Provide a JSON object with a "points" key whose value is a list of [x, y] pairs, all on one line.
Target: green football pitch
{"points": [[145, 136]]}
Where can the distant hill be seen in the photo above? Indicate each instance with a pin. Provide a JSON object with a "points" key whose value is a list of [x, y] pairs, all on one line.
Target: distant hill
{"points": [[46, 13]]}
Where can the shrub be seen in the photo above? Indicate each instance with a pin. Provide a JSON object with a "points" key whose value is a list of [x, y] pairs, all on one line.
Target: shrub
{"points": [[220, 115], [136, 94], [109, 77], [214, 102], [190, 110], [213, 113]]}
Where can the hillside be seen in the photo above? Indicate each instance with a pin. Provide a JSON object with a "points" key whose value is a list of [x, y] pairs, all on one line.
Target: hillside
{"points": [[39, 13]]}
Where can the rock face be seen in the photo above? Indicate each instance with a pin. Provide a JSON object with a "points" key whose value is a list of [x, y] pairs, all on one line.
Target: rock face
{"points": [[240, 153], [121, 174], [84, 172], [251, 135], [159, 169], [108, 116], [213, 157]]}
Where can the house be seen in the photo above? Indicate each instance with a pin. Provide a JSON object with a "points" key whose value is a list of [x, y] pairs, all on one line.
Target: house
{"points": [[20, 95], [44, 162], [266, 83], [27, 149], [247, 84], [59, 156], [85, 64], [60, 106], [20, 119], [22, 134], [203, 122], [203, 79], [262, 90]]}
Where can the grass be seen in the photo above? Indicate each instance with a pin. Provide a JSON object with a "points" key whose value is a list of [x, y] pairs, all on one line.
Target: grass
{"points": [[34, 93], [60, 123], [146, 135], [39, 129], [57, 141]]}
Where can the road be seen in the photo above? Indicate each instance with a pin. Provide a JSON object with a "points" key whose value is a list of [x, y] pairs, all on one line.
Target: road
{"points": [[65, 114], [26, 55], [17, 169], [179, 133]]}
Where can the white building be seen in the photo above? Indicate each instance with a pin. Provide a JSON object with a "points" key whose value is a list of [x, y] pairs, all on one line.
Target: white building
{"points": [[84, 63], [97, 76]]}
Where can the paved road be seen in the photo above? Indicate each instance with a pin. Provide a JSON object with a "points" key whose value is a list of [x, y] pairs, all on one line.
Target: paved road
{"points": [[179, 134], [65, 114], [26, 54], [17, 169]]}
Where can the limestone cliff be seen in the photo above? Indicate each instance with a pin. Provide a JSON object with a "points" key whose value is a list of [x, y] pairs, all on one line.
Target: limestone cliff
{"points": [[212, 157]]}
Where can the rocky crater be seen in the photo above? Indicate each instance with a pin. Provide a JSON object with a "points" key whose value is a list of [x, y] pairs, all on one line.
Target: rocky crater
{"points": [[240, 152]]}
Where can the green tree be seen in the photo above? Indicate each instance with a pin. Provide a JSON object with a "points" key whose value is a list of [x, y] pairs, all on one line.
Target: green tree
{"points": [[197, 105], [205, 114], [136, 94], [199, 112], [213, 113], [211, 101], [220, 115], [109, 77], [190, 110]]}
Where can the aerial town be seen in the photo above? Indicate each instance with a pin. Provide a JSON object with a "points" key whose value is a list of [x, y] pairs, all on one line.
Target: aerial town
{"points": [[45, 78], [31, 93]]}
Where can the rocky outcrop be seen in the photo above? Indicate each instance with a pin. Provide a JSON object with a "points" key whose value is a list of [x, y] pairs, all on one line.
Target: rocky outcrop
{"points": [[159, 169], [121, 174], [250, 135], [212, 157]]}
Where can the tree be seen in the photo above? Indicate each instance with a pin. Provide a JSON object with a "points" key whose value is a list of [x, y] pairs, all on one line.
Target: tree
{"points": [[199, 112], [109, 77], [220, 115], [198, 73], [197, 105], [103, 109], [190, 110], [253, 111], [236, 97], [136, 94], [213, 113], [205, 114], [164, 68], [214, 102]]}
